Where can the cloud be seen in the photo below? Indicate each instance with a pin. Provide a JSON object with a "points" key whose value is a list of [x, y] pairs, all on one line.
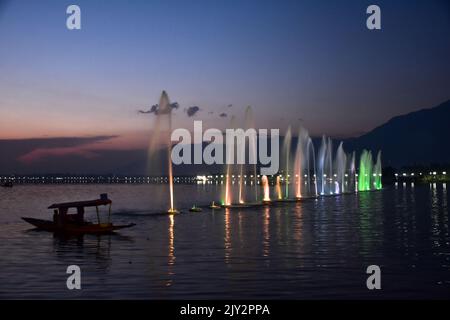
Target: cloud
{"points": [[223, 115], [191, 111], [39, 154], [157, 110], [27, 151]]}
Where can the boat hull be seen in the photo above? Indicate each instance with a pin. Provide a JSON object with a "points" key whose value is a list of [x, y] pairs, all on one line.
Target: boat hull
{"points": [[74, 228]]}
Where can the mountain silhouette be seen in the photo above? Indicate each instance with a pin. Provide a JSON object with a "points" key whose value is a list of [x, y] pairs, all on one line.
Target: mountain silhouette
{"points": [[417, 138]]}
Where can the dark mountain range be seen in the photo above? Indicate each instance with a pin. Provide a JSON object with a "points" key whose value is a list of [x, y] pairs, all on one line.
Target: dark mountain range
{"points": [[416, 138]]}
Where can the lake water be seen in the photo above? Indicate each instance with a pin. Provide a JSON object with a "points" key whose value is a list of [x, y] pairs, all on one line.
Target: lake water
{"points": [[315, 249]]}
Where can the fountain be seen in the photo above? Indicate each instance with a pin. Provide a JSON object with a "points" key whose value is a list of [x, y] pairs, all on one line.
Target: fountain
{"points": [[325, 166], [160, 140], [265, 183], [298, 162], [252, 153], [377, 172], [365, 171], [286, 153], [340, 168], [351, 175], [309, 173], [278, 188], [227, 200], [332, 173]]}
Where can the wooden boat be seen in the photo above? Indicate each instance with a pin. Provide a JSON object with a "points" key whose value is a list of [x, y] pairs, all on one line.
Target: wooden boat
{"points": [[75, 223], [88, 228]]}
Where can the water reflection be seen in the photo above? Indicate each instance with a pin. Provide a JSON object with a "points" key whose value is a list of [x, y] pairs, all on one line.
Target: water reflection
{"points": [[311, 249], [227, 237], [266, 232], [86, 248], [171, 251]]}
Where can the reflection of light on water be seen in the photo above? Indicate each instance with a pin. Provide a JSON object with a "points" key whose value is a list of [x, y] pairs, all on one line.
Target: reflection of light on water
{"points": [[171, 247], [227, 239], [266, 233], [299, 222], [171, 240], [240, 227]]}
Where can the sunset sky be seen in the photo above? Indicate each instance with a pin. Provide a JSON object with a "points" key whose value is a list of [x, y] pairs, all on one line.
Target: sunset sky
{"points": [[290, 60]]}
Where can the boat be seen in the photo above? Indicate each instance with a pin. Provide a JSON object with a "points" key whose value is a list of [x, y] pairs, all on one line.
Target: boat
{"points": [[195, 209], [66, 223], [7, 184]]}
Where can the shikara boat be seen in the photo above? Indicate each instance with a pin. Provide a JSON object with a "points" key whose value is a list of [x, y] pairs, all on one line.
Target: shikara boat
{"points": [[75, 223]]}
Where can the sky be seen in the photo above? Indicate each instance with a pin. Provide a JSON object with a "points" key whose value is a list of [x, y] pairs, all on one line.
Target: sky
{"points": [[308, 62]]}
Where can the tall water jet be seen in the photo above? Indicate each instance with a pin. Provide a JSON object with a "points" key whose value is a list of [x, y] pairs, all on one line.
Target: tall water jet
{"points": [[287, 156], [365, 171], [298, 167], [278, 188], [340, 165], [160, 141], [301, 162], [227, 199], [321, 165], [251, 141], [377, 172], [325, 166], [266, 189], [249, 124], [166, 108], [351, 172], [311, 175], [329, 164]]}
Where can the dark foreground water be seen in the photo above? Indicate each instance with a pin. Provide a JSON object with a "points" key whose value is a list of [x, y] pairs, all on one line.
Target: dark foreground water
{"points": [[310, 250]]}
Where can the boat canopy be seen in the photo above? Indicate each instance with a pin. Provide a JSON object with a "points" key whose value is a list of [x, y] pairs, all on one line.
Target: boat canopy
{"points": [[84, 204]]}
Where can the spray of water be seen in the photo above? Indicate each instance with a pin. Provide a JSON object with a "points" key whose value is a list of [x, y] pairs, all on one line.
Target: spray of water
{"points": [[266, 188]]}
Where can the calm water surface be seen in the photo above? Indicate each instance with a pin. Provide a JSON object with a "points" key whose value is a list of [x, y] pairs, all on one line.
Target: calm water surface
{"points": [[310, 250]]}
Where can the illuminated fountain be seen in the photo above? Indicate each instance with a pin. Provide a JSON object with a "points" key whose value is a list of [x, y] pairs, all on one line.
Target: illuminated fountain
{"points": [[332, 172], [369, 177], [311, 171], [227, 198], [325, 166], [303, 170], [351, 173], [298, 162], [161, 140], [266, 189], [251, 142], [278, 188], [304, 173], [340, 169], [249, 123], [377, 173], [166, 108], [287, 158]]}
